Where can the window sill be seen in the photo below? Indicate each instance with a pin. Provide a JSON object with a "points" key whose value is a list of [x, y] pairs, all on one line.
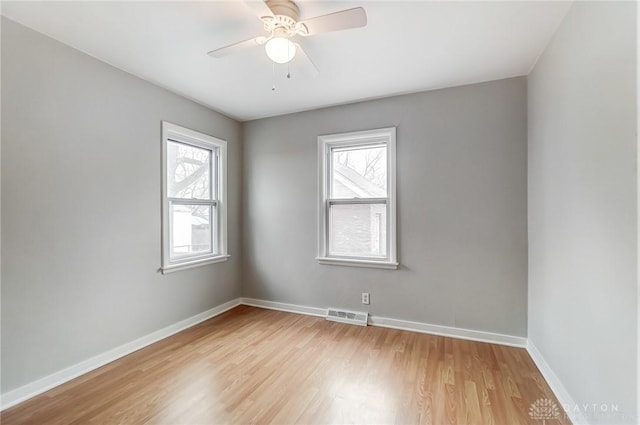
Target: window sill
{"points": [[195, 263], [389, 265]]}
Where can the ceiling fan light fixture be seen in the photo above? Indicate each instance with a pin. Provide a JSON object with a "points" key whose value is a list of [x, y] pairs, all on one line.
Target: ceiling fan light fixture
{"points": [[280, 49]]}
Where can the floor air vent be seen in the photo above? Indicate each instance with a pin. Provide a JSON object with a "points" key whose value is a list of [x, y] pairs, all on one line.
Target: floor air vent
{"points": [[343, 316]]}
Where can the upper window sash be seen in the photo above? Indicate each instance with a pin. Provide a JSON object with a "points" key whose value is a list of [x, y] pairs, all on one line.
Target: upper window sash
{"points": [[358, 172], [212, 168]]}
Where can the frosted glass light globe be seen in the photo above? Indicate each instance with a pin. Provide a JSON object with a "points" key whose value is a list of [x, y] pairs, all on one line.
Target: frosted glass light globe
{"points": [[280, 50]]}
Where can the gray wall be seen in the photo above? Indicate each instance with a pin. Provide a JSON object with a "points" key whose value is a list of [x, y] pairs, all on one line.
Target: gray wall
{"points": [[462, 209], [582, 206], [81, 208]]}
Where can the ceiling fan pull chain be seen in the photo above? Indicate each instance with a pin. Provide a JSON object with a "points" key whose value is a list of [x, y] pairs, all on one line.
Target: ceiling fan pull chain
{"points": [[273, 76], [288, 63]]}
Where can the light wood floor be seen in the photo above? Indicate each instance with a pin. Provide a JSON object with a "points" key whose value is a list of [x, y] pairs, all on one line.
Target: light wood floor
{"points": [[251, 365]]}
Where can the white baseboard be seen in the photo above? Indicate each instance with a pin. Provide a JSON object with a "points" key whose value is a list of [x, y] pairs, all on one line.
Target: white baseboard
{"points": [[34, 388], [449, 331], [406, 325], [576, 415], [289, 308]]}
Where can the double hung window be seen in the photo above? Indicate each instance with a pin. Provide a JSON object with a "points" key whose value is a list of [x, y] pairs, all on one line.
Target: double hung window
{"points": [[357, 224], [193, 198]]}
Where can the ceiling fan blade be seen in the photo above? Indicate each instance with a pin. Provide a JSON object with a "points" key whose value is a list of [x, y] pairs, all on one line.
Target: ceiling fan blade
{"points": [[259, 8], [233, 48], [308, 59], [346, 19]]}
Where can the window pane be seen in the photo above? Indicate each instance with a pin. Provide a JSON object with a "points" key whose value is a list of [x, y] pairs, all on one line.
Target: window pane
{"points": [[358, 230], [188, 171], [359, 172], [190, 230]]}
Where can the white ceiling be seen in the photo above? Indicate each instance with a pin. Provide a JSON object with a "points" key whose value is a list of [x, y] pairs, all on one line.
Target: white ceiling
{"points": [[405, 47]]}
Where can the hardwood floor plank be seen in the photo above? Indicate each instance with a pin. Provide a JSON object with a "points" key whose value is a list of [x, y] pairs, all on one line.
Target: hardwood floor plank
{"points": [[251, 365]]}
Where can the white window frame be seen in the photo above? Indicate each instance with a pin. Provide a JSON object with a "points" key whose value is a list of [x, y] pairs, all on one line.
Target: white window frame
{"points": [[357, 138], [218, 147]]}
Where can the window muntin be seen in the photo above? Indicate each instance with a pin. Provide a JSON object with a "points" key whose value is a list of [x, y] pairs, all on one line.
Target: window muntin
{"points": [[194, 207], [357, 198]]}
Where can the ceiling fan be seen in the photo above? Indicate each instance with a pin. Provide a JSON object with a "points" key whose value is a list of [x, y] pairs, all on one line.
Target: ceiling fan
{"points": [[281, 22]]}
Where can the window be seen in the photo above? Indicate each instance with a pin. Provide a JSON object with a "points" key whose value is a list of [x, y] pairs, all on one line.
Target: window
{"points": [[194, 211], [357, 200]]}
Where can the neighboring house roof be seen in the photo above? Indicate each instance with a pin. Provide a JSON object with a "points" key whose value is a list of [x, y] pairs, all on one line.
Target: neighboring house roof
{"points": [[348, 183]]}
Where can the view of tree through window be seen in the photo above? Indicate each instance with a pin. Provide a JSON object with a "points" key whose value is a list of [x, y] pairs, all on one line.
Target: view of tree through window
{"points": [[189, 178], [189, 171], [369, 162]]}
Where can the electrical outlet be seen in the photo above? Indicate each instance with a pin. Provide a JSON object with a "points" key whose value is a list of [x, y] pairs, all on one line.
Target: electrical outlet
{"points": [[365, 298]]}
